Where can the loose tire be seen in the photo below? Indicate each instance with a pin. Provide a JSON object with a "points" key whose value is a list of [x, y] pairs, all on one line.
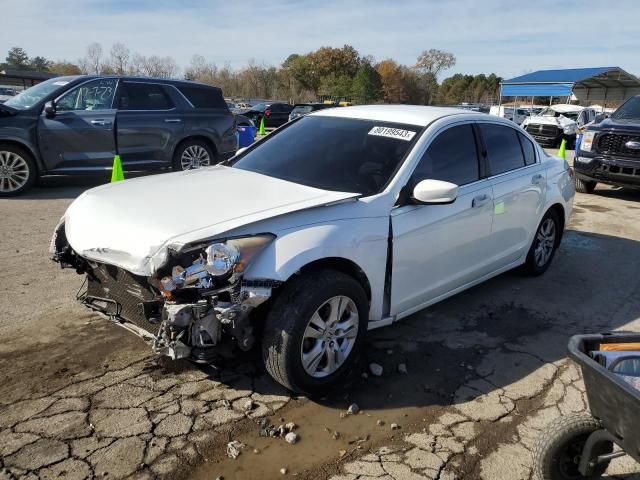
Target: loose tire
{"points": [[545, 243], [18, 171], [314, 330], [557, 453], [585, 186], [193, 154]]}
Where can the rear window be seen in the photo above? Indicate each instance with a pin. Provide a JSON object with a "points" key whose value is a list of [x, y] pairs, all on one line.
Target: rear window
{"points": [[503, 148], [202, 97]]}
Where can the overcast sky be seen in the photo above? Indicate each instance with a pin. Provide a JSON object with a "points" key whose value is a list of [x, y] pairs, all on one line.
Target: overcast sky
{"points": [[508, 37]]}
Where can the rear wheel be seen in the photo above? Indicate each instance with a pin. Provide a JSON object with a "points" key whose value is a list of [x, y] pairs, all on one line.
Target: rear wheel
{"points": [[314, 330], [17, 171], [585, 186], [558, 451], [544, 244], [193, 154]]}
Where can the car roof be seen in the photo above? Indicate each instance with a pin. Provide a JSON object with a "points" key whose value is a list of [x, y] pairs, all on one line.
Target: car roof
{"points": [[130, 78], [566, 108], [407, 114]]}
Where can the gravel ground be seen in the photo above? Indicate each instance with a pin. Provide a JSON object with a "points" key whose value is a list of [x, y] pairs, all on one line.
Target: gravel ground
{"points": [[485, 372]]}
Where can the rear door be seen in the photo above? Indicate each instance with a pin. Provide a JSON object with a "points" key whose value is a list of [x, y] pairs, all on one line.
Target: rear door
{"points": [[518, 180], [148, 125], [80, 136]]}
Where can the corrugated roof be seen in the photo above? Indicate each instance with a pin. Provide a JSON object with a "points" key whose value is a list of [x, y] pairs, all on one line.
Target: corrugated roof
{"points": [[570, 75]]}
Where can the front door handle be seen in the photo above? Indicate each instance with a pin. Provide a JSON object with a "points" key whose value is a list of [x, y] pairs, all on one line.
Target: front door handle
{"points": [[172, 120], [537, 179], [480, 200], [101, 123]]}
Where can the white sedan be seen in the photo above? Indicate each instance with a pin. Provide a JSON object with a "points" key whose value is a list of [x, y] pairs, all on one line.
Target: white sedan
{"points": [[339, 222]]}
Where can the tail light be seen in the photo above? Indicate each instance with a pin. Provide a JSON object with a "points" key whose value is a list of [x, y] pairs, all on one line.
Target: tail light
{"points": [[267, 112]]}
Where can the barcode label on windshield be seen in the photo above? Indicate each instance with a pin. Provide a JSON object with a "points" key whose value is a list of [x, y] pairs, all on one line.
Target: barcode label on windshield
{"points": [[389, 132]]}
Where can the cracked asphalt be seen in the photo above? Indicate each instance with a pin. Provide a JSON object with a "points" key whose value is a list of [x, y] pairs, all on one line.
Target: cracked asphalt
{"points": [[486, 372]]}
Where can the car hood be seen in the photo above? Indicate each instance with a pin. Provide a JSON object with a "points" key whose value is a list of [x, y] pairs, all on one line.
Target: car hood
{"points": [[132, 223]]}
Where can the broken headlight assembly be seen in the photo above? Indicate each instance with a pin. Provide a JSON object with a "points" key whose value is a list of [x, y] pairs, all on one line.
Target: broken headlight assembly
{"points": [[205, 297]]}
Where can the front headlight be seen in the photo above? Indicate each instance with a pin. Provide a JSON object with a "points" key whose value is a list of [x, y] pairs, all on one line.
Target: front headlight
{"points": [[587, 141]]}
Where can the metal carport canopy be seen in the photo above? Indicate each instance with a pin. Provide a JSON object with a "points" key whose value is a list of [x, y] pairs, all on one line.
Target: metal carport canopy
{"points": [[588, 84]]}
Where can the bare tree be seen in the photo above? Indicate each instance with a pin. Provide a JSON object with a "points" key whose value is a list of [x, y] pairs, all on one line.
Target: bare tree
{"points": [[93, 59], [119, 58]]}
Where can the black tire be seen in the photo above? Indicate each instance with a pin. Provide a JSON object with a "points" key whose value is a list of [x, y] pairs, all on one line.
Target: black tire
{"points": [[288, 317], [194, 145], [23, 177], [532, 265], [557, 452], [585, 186]]}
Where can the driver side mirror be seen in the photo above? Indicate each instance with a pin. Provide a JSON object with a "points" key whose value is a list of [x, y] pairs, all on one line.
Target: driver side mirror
{"points": [[430, 192], [600, 117], [50, 108]]}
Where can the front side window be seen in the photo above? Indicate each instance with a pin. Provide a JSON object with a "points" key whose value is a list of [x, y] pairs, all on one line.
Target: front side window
{"points": [[143, 96], [503, 148], [93, 95], [331, 153], [451, 157]]}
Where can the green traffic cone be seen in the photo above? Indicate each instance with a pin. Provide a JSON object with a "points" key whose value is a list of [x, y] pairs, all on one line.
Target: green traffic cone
{"points": [[563, 146], [116, 173], [262, 131]]}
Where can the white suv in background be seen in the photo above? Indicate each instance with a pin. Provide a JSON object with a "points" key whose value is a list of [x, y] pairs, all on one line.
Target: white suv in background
{"points": [[341, 221]]}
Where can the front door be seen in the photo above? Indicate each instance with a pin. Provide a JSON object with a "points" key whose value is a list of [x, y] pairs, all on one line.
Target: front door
{"points": [[518, 180], [439, 248], [81, 135]]}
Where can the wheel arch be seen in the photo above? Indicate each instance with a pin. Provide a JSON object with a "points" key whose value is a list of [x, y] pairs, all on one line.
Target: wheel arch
{"points": [[25, 146], [202, 138], [344, 265], [559, 210]]}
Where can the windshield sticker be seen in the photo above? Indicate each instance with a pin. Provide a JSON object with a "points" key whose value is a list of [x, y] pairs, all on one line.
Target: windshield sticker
{"points": [[60, 83], [388, 132]]}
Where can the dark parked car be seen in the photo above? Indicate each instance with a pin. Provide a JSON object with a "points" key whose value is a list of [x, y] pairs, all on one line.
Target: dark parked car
{"points": [[301, 109], [610, 150], [75, 125], [274, 114]]}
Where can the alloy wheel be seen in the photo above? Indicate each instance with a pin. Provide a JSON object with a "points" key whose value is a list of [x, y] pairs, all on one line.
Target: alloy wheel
{"points": [[330, 336], [545, 242], [14, 171], [194, 156]]}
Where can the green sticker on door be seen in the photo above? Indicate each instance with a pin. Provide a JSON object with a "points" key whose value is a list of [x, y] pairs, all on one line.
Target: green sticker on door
{"points": [[499, 208]]}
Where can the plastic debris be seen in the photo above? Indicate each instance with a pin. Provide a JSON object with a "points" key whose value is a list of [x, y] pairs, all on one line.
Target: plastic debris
{"points": [[375, 369], [353, 409], [234, 449], [291, 438], [402, 368]]}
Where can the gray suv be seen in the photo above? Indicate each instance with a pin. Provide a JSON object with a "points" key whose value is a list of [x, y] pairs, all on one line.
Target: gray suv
{"points": [[75, 125]]}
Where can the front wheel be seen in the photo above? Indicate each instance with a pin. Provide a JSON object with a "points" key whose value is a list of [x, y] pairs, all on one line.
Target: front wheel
{"points": [[585, 186], [558, 451], [314, 330], [545, 243], [17, 171], [193, 154]]}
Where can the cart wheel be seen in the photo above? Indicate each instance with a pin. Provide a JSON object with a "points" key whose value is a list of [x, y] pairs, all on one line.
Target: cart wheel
{"points": [[557, 453]]}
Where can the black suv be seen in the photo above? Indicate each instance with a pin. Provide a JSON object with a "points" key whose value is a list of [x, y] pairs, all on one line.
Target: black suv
{"points": [[75, 125], [274, 114], [610, 150]]}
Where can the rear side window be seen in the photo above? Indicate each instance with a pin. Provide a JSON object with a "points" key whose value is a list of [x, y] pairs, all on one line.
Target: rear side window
{"points": [[528, 150], [503, 148], [202, 97], [143, 96], [451, 157]]}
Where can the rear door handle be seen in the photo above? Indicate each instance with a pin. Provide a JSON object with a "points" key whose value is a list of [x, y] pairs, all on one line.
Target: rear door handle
{"points": [[536, 179], [172, 120], [101, 123], [480, 200]]}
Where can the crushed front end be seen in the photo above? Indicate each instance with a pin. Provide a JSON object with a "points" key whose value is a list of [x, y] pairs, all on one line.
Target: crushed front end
{"points": [[192, 305]]}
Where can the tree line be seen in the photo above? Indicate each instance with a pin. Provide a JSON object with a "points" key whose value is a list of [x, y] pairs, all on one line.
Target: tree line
{"points": [[338, 73]]}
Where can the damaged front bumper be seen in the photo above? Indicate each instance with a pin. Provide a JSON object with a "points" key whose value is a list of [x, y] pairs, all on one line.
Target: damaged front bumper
{"points": [[186, 313]]}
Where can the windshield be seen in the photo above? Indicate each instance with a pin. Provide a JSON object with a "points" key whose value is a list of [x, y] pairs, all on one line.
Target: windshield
{"points": [[260, 107], [628, 110], [29, 97], [339, 154], [302, 109], [550, 112]]}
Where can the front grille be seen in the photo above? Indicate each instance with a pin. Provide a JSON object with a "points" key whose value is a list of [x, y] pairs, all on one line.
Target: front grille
{"points": [[115, 291], [543, 130], [618, 170], [614, 144]]}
